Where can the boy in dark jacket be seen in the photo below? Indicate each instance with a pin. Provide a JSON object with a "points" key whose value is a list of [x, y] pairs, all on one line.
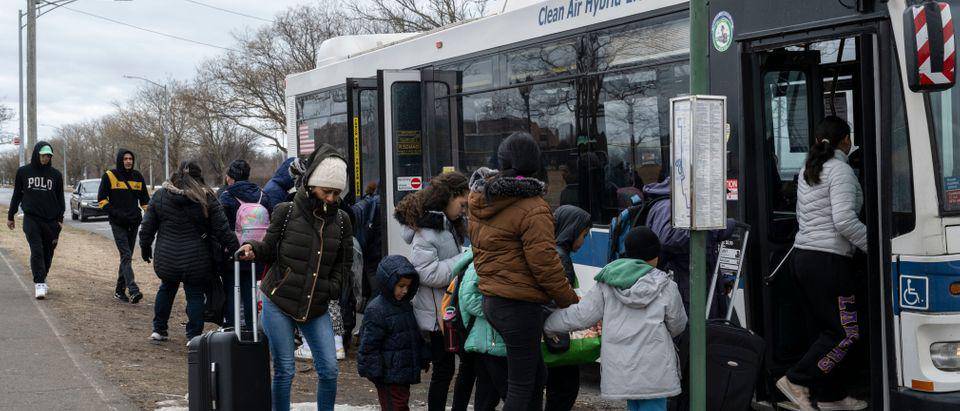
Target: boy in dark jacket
{"points": [[123, 194], [392, 352]]}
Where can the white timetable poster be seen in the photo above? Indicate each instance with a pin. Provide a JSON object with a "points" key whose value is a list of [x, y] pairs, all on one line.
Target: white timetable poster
{"points": [[698, 162]]}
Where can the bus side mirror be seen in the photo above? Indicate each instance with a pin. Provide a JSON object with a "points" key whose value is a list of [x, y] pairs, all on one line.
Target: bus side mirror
{"points": [[929, 46]]}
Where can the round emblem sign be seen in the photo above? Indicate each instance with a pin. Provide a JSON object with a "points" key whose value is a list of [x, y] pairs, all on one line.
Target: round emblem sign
{"points": [[415, 183], [722, 31]]}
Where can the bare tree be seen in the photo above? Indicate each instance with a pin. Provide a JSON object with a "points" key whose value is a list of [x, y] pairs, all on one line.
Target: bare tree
{"points": [[417, 15], [6, 114], [247, 86]]}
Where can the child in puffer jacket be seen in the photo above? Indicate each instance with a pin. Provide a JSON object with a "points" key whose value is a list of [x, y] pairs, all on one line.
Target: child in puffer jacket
{"points": [[643, 310], [392, 352]]}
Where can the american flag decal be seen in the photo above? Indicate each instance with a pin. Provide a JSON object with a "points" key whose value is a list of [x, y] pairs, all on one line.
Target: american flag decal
{"points": [[937, 62], [306, 144]]}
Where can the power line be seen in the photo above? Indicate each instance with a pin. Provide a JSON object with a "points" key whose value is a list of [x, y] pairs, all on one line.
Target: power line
{"points": [[147, 30], [228, 11]]}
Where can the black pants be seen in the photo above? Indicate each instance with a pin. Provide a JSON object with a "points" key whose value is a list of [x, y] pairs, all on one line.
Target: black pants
{"points": [[42, 238], [444, 366], [491, 381], [164, 304], [520, 323], [125, 237], [563, 386], [246, 314], [828, 285]]}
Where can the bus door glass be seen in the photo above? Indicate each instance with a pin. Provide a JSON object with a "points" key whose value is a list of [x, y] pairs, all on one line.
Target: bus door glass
{"points": [[364, 138], [792, 89]]}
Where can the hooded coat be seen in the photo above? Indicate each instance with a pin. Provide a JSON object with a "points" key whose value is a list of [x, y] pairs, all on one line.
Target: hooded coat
{"points": [[278, 187], [245, 191], [435, 249], [392, 350], [182, 252], [641, 308], [123, 193], [570, 221], [482, 338], [38, 190], [512, 235], [309, 247]]}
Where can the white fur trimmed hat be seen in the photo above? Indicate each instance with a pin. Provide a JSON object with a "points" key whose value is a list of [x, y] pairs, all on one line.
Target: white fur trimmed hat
{"points": [[330, 173]]}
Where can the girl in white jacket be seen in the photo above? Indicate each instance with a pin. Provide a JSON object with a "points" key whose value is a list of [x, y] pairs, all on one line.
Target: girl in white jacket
{"points": [[435, 227], [829, 198]]}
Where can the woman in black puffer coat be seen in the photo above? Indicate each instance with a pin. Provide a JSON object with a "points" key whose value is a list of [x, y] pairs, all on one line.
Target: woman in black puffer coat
{"points": [[309, 247], [182, 215]]}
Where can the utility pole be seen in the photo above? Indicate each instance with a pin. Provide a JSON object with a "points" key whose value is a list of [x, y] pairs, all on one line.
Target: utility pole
{"points": [[31, 136], [699, 84], [20, 89]]}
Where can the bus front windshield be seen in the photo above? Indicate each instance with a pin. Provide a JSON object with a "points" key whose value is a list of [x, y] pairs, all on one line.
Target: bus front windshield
{"points": [[944, 107]]}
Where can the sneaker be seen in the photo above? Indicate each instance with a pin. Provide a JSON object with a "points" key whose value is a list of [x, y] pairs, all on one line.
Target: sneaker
{"points": [[135, 298], [39, 291], [848, 403], [797, 394], [46, 287], [121, 296], [159, 336]]}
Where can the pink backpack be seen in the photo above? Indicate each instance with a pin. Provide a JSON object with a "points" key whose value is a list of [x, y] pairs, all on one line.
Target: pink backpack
{"points": [[253, 219]]}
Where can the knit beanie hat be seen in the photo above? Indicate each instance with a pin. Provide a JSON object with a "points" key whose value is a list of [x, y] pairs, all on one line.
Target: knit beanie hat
{"points": [[519, 155], [641, 243], [330, 173], [239, 170]]}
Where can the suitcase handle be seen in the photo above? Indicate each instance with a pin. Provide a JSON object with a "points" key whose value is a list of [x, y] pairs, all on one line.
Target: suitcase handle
{"points": [[236, 297], [736, 281], [213, 386]]}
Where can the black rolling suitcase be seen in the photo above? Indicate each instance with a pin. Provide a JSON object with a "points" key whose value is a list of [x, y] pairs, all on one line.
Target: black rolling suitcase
{"points": [[734, 353], [226, 370]]}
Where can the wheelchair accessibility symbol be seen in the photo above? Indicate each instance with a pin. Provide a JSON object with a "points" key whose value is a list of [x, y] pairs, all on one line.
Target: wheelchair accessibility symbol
{"points": [[913, 292]]}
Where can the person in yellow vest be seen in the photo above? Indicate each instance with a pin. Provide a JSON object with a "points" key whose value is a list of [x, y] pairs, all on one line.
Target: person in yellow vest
{"points": [[123, 194]]}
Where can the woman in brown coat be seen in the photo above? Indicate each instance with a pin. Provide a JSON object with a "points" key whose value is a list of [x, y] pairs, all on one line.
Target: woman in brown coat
{"points": [[517, 264]]}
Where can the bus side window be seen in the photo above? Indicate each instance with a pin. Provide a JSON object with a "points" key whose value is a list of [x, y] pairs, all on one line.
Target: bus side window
{"points": [[904, 216], [633, 129]]}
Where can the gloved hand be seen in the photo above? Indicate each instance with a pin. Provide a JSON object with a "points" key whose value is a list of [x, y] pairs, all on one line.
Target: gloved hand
{"points": [[146, 252]]}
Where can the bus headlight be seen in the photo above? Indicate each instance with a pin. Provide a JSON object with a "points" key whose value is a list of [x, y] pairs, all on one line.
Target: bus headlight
{"points": [[946, 355]]}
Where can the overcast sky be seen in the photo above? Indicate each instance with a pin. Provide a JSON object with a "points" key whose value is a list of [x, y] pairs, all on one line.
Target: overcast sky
{"points": [[81, 59]]}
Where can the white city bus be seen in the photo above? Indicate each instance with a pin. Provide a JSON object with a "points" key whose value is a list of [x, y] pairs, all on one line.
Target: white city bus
{"points": [[591, 81]]}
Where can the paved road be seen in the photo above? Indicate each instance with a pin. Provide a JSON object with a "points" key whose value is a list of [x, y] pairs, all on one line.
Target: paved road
{"points": [[39, 368], [97, 225]]}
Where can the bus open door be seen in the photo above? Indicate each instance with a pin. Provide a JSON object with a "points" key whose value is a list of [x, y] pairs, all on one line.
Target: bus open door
{"points": [[791, 84], [419, 126]]}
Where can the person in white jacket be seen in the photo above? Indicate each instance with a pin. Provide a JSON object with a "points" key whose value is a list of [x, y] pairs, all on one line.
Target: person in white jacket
{"points": [[829, 198], [434, 225], [642, 310]]}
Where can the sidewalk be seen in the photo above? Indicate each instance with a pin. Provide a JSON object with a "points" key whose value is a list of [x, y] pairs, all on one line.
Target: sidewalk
{"points": [[39, 368]]}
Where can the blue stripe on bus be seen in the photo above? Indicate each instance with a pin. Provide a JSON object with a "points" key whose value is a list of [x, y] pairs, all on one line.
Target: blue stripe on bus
{"points": [[594, 250], [935, 277]]}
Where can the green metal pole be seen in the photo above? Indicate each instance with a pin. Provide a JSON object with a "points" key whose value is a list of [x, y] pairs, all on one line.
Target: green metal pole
{"points": [[699, 84]]}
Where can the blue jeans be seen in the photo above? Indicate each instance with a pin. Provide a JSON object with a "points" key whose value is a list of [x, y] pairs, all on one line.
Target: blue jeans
{"points": [[164, 304], [655, 404], [246, 314], [318, 333]]}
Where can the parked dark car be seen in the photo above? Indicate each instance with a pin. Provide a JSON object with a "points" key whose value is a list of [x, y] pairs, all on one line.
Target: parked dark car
{"points": [[83, 201]]}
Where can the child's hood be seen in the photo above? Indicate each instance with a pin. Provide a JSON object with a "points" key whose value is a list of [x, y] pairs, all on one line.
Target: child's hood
{"points": [[635, 283], [388, 275]]}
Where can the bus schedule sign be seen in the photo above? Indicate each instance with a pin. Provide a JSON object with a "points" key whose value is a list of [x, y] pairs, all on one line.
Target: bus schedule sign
{"points": [[698, 169]]}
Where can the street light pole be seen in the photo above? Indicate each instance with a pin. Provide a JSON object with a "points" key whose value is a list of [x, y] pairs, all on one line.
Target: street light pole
{"points": [[20, 89], [163, 127], [31, 74]]}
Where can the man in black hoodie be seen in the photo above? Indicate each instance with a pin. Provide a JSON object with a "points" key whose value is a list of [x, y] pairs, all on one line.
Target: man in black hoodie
{"points": [[38, 189], [123, 194]]}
